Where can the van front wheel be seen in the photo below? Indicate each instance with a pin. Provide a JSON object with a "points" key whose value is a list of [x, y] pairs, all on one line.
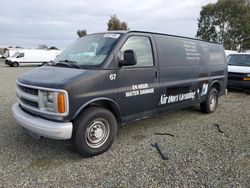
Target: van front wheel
{"points": [[94, 131], [210, 105], [15, 64]]}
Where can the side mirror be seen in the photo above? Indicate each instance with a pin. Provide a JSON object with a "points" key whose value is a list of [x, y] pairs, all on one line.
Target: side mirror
{"points": [[129, 58]]}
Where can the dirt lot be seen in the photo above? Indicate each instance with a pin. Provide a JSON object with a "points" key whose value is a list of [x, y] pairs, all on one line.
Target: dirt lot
{"points": [[199, 154]]}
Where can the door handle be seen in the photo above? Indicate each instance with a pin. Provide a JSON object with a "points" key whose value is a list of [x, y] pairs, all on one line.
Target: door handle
{"points": [[156, 73]]}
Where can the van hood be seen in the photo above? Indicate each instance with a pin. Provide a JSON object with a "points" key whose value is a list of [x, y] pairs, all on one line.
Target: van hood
{"points": [[238, 69], [53, 77]]}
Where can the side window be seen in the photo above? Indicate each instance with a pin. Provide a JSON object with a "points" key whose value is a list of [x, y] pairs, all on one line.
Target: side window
{"points": [[20, 55], [142, 48]]}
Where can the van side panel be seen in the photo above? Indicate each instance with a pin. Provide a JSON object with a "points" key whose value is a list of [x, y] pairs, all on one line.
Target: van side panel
{"points": [[216, 65], [187, 70]]}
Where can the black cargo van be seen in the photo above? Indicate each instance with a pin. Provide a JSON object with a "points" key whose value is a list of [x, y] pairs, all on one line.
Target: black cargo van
{"points": [[111, 78]]}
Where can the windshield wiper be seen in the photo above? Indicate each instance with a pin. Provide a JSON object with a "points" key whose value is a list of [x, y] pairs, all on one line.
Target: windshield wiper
{"points": [[68, 63]]}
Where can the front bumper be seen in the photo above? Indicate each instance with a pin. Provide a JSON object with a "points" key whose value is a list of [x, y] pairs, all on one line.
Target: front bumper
{"points": [[238, 84], [42, 127], [7, 62]]}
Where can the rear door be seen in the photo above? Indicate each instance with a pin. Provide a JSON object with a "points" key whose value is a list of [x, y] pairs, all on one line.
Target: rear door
{"points": [[138, 84]]}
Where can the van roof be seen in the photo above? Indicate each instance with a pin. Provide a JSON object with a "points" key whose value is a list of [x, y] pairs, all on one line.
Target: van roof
{"points": [[156, 33]]}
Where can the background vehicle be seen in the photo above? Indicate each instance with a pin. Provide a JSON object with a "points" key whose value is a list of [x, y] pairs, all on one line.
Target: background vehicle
{"points": [[31, 57], [111, 78], [10, 52], [228, 52], [239, 70]]}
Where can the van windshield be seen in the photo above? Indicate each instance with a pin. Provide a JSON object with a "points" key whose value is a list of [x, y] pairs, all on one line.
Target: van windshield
{"points": [[239, 60], [90, 50], [15, 55]]}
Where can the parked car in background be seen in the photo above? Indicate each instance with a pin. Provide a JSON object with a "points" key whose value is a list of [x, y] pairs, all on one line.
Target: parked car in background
{"points": [[31, 57], [239, 70]]}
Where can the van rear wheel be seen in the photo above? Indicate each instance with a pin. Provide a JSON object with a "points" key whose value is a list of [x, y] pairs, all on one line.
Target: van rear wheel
{"points": [[210, 105], [94, 131]]}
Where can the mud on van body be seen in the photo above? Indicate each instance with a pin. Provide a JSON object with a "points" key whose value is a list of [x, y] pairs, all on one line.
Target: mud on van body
{"points": [[106, 79]]}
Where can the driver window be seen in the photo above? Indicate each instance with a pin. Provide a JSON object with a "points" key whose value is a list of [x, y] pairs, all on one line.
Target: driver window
{"points": [[20, 55], [142, 48]]}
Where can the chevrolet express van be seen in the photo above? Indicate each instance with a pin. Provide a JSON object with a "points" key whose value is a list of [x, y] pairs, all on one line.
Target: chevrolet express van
{"points": [[106, 79]]}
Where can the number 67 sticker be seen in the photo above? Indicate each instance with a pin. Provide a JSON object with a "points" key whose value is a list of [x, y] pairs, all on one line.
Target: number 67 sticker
{"points": [[112, 76]]}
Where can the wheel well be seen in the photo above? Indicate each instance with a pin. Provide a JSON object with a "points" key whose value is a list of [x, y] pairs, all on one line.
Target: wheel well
{"points": [[216, 85], [108, 105], [16, 63]]}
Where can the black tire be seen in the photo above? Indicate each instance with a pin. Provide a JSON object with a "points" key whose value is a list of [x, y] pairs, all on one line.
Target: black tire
{"points": [[247, 91], [15, 64], [44, 63], [210, 105], [92, 123]]}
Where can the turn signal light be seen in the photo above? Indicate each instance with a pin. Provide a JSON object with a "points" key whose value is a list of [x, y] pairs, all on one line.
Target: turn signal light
{"points": [[246, 79], [61, 103]]}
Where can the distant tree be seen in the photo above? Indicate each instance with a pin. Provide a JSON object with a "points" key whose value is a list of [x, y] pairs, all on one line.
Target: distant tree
{"points": [[227, 22], [18, 47], [115, 24], [42, 46], [81, 33], [10, 47], [53, 48]]}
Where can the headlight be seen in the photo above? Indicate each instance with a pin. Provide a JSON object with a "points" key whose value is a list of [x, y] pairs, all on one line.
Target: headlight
{"points": [[248, 75], [53, 101]]}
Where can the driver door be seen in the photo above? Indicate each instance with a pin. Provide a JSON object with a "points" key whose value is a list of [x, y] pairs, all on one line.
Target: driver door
{"points": [[138, 84]]}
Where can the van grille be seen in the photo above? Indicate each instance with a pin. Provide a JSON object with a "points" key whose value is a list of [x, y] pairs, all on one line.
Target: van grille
{"points": [[28, 97], [235, 76], [30, 103], [28, 90]]}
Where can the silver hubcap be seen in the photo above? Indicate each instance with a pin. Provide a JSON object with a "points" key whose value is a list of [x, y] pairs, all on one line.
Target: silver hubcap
{"points": [[97, 133], [212, 102]]}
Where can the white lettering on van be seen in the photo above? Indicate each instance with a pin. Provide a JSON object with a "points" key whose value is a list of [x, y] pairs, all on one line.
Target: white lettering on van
{"points": [[191, 50], [163, 99], [112, 76], [177, 98], [187, 96], [147, 91], [139, 89], [132, 93]]}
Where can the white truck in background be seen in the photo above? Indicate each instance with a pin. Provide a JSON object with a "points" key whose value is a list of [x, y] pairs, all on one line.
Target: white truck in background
{"points": [[228, 52], [10, 52], [239, 71], [31, 57]]}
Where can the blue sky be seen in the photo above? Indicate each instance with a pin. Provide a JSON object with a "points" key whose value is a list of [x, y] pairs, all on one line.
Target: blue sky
{"points": [[29, 23]]}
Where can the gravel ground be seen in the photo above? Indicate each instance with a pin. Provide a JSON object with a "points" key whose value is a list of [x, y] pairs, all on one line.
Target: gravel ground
{"points": [[199, 154]]}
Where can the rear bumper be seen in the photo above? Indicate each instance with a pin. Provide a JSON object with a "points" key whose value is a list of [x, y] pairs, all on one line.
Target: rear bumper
{"points": [[42, 127], [238, 84]]}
